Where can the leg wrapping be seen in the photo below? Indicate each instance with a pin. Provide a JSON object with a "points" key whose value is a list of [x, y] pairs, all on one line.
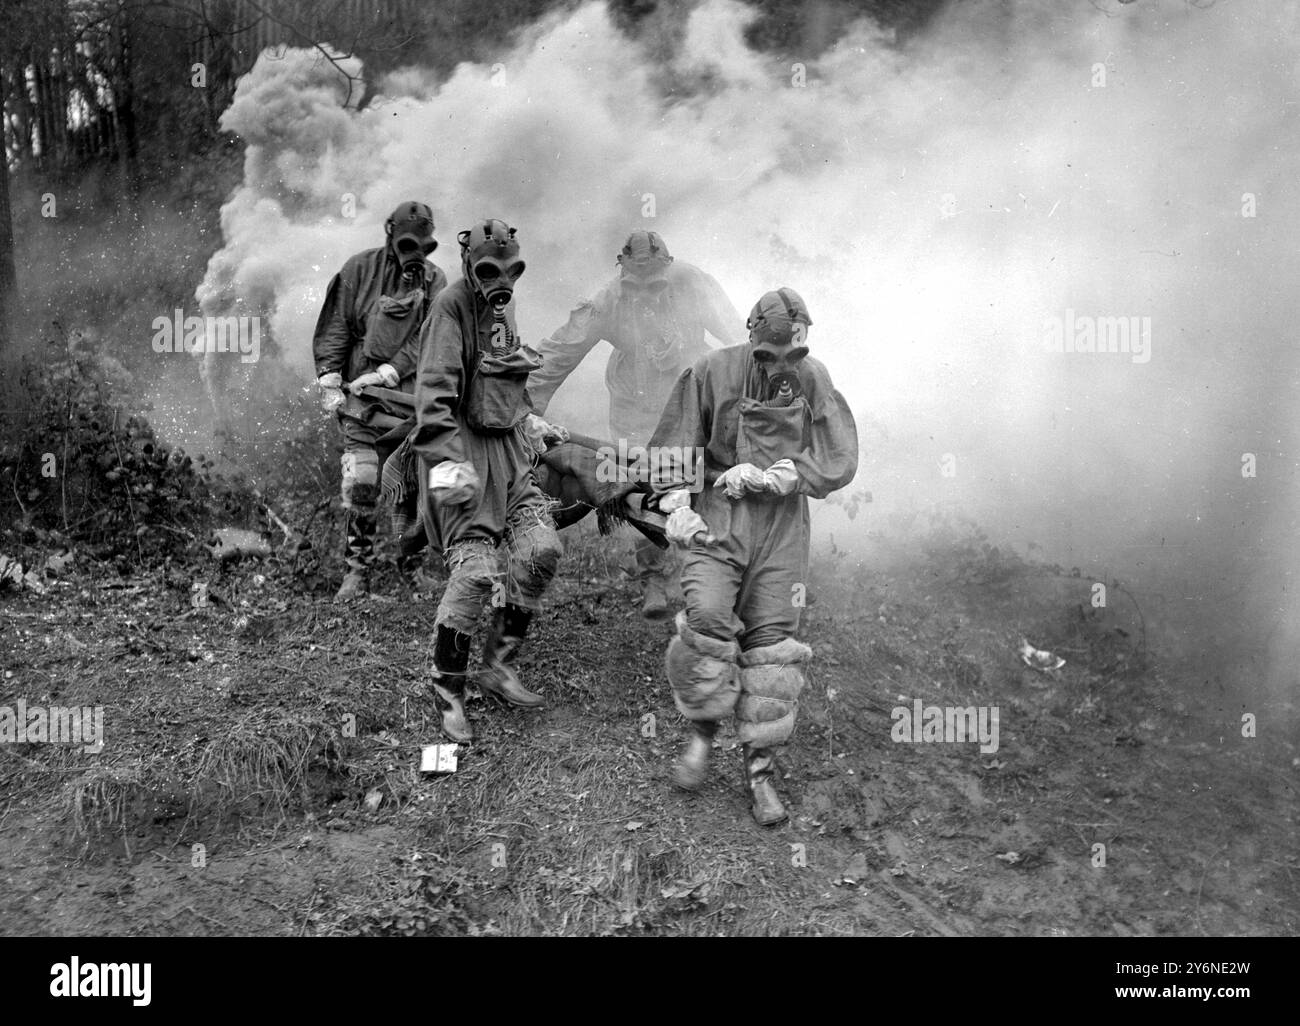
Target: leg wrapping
{"points": [[360, 479], [702, 672], [771, 678], [471, 567], [533, 551]]}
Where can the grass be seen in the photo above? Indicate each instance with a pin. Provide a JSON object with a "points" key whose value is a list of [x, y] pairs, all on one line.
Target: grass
{"points": [[230, 726]]}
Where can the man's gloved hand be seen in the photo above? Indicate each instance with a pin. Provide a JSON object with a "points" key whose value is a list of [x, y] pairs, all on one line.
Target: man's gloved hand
{"points": [[453, 484], [384, 375], [684, 525], [331, 391], [542, 434], [679, 499], [742, 478], [781, 477]]}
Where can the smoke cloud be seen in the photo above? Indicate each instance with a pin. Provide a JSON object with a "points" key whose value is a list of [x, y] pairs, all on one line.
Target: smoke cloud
{"points": [[949, 209]]}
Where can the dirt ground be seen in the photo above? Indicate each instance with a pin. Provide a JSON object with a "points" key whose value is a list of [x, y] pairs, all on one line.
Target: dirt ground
{"points": [[260, 769]]}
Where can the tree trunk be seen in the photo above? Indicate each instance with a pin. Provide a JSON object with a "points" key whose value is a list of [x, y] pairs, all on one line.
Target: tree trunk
{"points": [[8, 270], [124, 109]]}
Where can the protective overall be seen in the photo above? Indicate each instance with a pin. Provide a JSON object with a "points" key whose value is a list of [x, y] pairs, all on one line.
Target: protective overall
{"points": [[655, 315], [368, 333], [482, 505], [774, 431]]}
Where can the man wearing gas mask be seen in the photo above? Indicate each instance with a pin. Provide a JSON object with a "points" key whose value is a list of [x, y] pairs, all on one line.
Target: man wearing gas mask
{"points": [[655, 316], [368, 333], [774, 431], [476, 438]]}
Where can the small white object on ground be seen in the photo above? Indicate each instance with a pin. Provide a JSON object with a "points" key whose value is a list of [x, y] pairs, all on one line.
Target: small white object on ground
{"points": [[1039, 659], [438, 758]]}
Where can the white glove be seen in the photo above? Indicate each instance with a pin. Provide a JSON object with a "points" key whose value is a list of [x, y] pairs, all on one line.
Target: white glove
{"points": [[542, 434], [453, 484], [331, 391], [742, 478], [385, 374], [781, 477], [680, 499], [684, 526]]}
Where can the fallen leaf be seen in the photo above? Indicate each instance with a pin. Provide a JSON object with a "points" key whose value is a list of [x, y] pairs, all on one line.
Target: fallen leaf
{"points": [[58, 563]]}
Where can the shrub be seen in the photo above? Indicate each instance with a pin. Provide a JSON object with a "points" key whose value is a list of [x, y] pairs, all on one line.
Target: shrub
{"points": [[76, 466]]}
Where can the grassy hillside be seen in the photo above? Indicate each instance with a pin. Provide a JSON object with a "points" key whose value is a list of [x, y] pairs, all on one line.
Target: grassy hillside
{"points": [[226, 727]]}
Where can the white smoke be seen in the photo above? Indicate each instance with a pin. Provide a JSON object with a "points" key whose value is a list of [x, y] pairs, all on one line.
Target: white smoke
{"points": [[935, 204]]}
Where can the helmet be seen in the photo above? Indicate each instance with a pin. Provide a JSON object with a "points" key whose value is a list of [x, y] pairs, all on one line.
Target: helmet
{"points": [[779, 319], [644, 261], [490, 259], [778, 338], [410, 233]]}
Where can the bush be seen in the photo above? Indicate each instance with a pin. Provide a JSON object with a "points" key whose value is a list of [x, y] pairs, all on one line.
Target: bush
{"points": [[77, 467]]}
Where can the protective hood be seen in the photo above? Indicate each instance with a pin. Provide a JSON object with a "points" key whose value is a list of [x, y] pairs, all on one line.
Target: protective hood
{"points": [[410, 237]]}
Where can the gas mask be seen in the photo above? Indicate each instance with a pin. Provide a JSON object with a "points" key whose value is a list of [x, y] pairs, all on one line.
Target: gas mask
{"points": [[410, 240], [490, 262], [643, 269], [778, 337], [643, 284]]}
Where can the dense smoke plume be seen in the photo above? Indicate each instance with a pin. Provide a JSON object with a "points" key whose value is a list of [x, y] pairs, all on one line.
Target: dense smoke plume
{"points": [[940, 206]]}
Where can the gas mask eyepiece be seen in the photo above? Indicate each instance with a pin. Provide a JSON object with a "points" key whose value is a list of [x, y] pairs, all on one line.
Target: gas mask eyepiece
{"points": [[778, 357]]}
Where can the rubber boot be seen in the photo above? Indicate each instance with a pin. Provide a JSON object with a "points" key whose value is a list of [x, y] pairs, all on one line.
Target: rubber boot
{"points": [[693, 762], [450, 659], [360, 532], [500, 653], [654, 603], [759, 770]]}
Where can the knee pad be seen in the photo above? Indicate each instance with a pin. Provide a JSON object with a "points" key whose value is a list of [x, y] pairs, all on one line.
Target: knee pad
{"points": [[533, 550], [538, 548], [471, 567], [702, 672], [360, 477], [771, 678]]}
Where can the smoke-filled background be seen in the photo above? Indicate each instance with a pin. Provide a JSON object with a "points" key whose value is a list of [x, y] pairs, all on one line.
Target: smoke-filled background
{"points": [[936, 203]]}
